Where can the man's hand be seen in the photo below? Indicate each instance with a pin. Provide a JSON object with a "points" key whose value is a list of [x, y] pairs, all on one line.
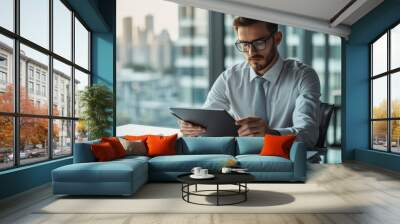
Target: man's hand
{"points": [[254, 126], [189, 129]]}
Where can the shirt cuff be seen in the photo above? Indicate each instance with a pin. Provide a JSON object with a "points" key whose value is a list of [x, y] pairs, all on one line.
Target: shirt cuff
{"points": [[285, 131]]}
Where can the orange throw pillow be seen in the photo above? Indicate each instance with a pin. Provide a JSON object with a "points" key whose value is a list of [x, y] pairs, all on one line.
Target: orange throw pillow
{"points": [[103, 152], [161, 145], [116, 145], [277, 145], [136, 137]]}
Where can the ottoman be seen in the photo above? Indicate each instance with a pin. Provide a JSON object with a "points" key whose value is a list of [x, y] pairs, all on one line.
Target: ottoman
{"points": [[118, 177]]}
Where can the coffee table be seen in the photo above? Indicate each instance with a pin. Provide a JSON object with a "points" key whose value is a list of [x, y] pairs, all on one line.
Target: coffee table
{"points": [[238, 179]]}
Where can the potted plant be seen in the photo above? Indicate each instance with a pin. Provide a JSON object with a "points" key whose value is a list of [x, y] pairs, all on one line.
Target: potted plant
{"points": [[96, 103]]}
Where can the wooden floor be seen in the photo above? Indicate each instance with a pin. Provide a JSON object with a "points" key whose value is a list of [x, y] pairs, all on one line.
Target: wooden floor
{"points": [[377, 188]]}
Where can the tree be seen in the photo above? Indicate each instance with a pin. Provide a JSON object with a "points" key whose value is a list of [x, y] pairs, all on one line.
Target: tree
{"points": [[6, 122], [81, 129], [33, 131], [380, 127], [97, 104]]}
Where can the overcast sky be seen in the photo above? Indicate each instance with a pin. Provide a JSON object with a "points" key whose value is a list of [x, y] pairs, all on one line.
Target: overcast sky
{"points": [[165, 14]]}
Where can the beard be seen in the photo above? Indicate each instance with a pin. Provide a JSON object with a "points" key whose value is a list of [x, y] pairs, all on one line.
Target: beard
{"points": [[259, 62]]}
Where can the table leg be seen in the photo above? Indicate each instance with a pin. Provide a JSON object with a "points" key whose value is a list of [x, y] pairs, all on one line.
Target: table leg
{"points": [[217, 194], [188, 189], [245, 191], [182, 190], [196, 188]]}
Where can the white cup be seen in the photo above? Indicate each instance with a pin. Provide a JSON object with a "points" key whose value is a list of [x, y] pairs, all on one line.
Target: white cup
{"points": [[196, 170], [203, 172], [226, 170]]}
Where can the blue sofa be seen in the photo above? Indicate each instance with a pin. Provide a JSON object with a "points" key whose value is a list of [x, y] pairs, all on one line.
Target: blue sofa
{"points": [[125, 176]]}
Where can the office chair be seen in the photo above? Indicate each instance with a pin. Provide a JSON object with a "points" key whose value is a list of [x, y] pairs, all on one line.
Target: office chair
{"points": [[326, 111]]}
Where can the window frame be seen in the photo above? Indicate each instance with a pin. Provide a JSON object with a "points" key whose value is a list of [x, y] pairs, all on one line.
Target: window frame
{"points": [[16, 114], [388, 74]]}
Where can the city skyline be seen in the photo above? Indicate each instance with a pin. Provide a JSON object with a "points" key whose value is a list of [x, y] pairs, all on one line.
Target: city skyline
{"points": [[164, 12]]}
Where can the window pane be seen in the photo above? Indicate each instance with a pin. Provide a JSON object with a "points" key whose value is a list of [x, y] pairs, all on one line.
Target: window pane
{"points": [[81, 45], [62, 89], [6, 74], [34, 72], [379, 135], [81, 131], [62, 138], [35, 21], [62, 29], [81, 81], [232, 55], [379, 55], [7, 14], [395, 47], [395, 95], [6, 142], [379, 98], [395, 136], [161, 64], [33, 139]]}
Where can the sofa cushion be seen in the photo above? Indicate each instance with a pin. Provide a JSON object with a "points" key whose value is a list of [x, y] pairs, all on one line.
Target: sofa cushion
{"points": [[116, 145], [83, 152], [112, 171], [206, 145], [136, 137], [159, 145], [132, 158], [185, 163], [249, 145], [103, 152], [277, 145], [257, 163], [134, 147]]}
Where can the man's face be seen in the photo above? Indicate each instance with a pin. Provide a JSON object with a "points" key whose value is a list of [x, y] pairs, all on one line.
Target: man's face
{"points": [[259, 59]]}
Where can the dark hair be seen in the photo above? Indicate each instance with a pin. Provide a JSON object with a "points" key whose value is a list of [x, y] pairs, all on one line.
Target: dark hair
{"points": [[243, 21]]}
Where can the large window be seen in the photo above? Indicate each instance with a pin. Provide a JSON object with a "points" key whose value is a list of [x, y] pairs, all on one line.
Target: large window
{"points": [[166, 63], [40, 80], [162, 60], [385, 94]]}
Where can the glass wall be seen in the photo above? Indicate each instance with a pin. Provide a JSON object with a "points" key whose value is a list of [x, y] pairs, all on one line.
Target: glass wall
{"points": [[385, 94], [161, 63], [37, 125], [164, 64]]}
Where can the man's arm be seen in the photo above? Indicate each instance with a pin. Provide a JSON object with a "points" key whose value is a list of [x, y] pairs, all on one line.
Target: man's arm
{"points": [[216, 98], [306, 113]]}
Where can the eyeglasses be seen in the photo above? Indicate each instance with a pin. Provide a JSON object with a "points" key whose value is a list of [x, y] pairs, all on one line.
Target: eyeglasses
{"points": [[258, 44]]}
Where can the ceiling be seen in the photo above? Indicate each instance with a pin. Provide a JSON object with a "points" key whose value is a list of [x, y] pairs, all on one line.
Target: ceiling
{"points": [[327, 16]]}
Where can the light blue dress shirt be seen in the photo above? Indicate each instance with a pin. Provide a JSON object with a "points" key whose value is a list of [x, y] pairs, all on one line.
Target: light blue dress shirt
{"points": [[292, 91]]}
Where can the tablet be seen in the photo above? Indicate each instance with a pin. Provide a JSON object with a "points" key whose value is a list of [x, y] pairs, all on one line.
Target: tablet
{"points": [[217, 122]]}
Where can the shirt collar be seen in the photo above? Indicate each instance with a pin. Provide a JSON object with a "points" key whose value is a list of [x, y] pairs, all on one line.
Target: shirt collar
{"points": [[272, 74]]}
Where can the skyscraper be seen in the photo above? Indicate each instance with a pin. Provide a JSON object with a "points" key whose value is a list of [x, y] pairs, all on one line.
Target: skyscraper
{"points": [[127, 41], [149, 23], [192, 55]]}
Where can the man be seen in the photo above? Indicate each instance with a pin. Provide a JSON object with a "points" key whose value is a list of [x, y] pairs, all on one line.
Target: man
{"points": [[265, 94]]}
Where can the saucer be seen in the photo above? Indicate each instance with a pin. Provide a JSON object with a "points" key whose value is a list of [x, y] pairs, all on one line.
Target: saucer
{"points": [[208, 176]]}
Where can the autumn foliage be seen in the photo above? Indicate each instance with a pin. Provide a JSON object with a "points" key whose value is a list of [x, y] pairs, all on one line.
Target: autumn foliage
{"points": [[33, 131], [380, 127]]}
